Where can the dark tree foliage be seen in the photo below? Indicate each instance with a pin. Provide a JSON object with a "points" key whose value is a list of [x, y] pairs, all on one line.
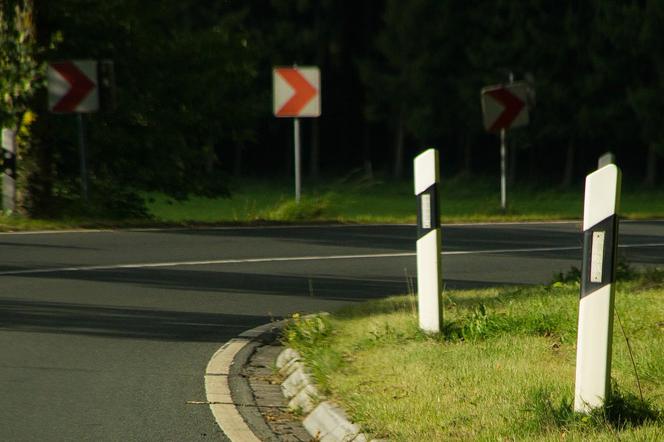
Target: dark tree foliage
{"points": [[194, 89]]}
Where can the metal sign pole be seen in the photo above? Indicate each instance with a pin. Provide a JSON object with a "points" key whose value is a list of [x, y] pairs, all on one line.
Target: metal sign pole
{"points": [[503, 169], [298, 165], [595, 328], [429, 282], [83, 160]]}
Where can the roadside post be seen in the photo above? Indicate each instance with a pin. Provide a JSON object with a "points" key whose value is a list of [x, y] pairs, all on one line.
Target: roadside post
{"points": [[296, 93], [9, 170], [595, 327], [429, 302], [73, 88], [607, 158], [504, 107]]}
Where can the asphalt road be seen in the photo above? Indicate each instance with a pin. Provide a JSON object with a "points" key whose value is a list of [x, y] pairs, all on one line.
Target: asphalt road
{"points": [[106, 335]]}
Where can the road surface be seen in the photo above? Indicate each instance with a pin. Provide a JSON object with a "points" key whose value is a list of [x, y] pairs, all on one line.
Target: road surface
{"points": [[105, 335]]}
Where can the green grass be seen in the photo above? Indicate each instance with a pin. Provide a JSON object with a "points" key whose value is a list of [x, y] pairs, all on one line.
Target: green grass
{"points": [[503, 368], [355, 201], [390, 202]]}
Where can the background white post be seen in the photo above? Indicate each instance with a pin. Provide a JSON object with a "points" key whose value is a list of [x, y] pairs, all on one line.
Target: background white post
{"points": [[298, 163], [600, 239], [82, 138], [9, 166], [427, 178], [503, 169], [607, 158]]}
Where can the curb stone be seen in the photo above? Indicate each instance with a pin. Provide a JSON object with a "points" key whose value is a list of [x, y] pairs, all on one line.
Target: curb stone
{"points": [[325, 422], [329, 423], [286, 357], [228, 392], [297, 380], [306, 399]]}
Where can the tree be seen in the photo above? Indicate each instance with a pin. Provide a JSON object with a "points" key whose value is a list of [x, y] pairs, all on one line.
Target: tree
{"points": [[185, 77], [634, 30], [19, 67], [399, 79]]}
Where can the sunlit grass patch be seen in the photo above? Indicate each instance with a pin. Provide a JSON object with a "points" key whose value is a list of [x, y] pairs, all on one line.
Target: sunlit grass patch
{"points": [[502, 369], [388, 201]]}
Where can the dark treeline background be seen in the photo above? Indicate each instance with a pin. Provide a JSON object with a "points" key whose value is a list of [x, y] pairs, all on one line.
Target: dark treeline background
{"points": [[194, 90]]}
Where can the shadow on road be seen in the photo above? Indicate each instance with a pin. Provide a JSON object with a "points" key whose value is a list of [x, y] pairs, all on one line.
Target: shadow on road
{"points": [[121, 322], [332, 287], [392, 237]]}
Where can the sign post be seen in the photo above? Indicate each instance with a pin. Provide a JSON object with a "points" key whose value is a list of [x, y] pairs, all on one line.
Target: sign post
{"points": [[296, 93], [504, 107], [72, 88], [427, 179], [82, 156], [9, 170], [298, 156], [595, 328]]}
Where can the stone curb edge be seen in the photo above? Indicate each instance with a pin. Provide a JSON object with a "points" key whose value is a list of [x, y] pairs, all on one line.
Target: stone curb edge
{"points": [[326, 421], [228, 393], [234, 407]]}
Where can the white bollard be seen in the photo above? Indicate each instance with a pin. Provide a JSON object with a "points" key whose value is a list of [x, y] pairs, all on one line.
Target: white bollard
{"points": [[600, 239], [9, 167], [427, 178]]}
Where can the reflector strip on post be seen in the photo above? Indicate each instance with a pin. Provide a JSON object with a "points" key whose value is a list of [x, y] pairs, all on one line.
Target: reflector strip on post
{"points": [[600, 240], [427, 178]]}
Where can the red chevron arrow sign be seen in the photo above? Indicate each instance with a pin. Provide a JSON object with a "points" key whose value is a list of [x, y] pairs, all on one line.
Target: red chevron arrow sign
{"points": [[296, 91], [504, 106], [72, 86]]}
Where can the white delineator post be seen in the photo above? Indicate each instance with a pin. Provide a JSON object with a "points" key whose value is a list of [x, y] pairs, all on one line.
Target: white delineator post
{"points": [[9, 174], [427, 178], [595, 330]]}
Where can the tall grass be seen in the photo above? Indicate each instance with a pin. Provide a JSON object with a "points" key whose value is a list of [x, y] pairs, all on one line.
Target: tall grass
{"points": [[502, 369]]}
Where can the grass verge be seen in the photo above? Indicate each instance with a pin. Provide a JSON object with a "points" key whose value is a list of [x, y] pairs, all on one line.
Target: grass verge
{"points": [[502, 369], [353, 201], [371, 201]]}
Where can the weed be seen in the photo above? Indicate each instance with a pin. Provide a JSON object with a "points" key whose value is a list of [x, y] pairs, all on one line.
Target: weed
{"points": [[624, 272], [309, 336], [572, 276], [302, 332], [307, 209], [478, 324]]}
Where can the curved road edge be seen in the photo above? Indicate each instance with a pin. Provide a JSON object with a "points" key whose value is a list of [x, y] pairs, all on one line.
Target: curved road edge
{"points": [[228, 393]]}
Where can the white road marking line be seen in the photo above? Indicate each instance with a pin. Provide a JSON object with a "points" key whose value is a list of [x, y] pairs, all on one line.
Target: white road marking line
{"points": [[218, 393], [296, 258]]}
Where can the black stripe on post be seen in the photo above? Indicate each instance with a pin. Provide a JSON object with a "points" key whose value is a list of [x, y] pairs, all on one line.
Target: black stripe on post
{"points": [[428, 215], [599, 242], [9, 163]]}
